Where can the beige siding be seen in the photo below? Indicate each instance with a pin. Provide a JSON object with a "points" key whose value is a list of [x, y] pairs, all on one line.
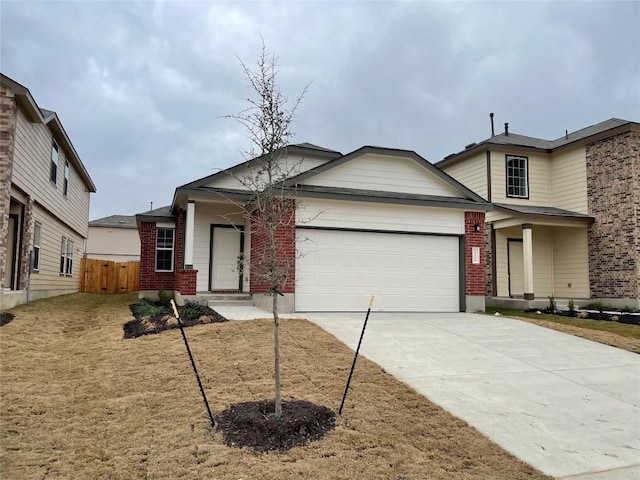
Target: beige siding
{"points": [[292, 165], [539, 179], [377, 216], [48, 277], [112, 243], [571, 262], [31, 171], [384, 173], [569, 180], [472, 173], [205, 216], [542, 259]]}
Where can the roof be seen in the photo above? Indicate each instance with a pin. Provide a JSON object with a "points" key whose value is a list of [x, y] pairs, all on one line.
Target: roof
{"points": [[115, 221], [548, 146], [299, 179], [541, 211], [155, 214], [48, 117], [300, 148]]}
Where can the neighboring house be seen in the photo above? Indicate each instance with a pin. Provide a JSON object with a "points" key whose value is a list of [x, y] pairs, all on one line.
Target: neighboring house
{"points": [[114, 238], [375, 221], [44, 201], [566, 218]]}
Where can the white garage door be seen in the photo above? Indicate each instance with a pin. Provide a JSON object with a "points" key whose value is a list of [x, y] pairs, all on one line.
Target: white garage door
{"points": [[340, 270]]}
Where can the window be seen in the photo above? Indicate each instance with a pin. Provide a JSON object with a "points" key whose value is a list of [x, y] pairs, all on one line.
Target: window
{"points": [[66, 257], [164, 250], [65, 189], [37, 234], [63, 255], [517, 177], [54, 163]]}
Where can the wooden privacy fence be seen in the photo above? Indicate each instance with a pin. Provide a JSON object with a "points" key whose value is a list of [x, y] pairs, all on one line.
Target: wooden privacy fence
{"points": [[105, 276]]}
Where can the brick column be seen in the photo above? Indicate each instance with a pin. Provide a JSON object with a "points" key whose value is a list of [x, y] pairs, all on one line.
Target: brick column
{"points": [[8, 112], [474, 240]]}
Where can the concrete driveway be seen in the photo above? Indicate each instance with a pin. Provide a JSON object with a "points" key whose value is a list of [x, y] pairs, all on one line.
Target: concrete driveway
{"points": [[568, 406]]}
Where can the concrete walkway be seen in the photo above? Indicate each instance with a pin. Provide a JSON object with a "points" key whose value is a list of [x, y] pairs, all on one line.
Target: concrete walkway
{"points": [[568, 406]]}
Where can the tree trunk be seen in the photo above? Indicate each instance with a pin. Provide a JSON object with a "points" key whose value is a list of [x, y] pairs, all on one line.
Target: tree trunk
{"points": [[276, 349]]}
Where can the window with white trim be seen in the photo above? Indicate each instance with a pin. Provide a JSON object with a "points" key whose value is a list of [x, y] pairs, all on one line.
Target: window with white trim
{"points": [[164, 249], [517, 176], [37, 238], [66, 257], [65, 188], [53, 176], [63, 255]]}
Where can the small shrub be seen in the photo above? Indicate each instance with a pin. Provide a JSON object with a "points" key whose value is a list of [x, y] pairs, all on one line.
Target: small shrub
{"points": [[599, 306], [172, 322], [572, 306], [583, 314], [614, 318], [164, 298], [193, 310], [146, 308], [552, 303]]}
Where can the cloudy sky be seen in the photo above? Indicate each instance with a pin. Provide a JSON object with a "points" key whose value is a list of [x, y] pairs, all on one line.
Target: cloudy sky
{"points": [[142, 87]]}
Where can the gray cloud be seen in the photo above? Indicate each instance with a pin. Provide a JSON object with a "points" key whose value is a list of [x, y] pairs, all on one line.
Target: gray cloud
{"points": [[142, 87]]}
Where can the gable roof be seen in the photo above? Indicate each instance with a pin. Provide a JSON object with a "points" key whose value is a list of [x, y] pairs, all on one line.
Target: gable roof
{"points": [[457, 186], [532, 143], [47, 117], [300, 148], [115, 221], [157, 214]]}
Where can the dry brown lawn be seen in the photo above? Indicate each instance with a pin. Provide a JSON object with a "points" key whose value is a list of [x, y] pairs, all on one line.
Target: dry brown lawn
{"points": [[79, 402]]}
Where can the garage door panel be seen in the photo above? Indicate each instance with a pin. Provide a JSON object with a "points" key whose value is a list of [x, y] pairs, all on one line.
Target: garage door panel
{"points": [[405, 272]]}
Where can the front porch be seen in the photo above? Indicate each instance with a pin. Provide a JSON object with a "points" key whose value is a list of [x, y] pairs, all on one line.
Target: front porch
{"points": [[536, 254]]}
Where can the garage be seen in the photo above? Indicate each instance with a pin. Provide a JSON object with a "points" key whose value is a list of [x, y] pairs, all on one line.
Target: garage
{"points": [[339, 269]]}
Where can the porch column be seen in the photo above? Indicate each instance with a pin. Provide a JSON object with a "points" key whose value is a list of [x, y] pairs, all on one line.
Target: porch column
{"points": [[188, 235], [527, 253]]}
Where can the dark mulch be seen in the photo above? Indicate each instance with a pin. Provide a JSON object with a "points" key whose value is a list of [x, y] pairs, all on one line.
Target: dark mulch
{"points": [[252, 424], [163, 321], [6, 317]]}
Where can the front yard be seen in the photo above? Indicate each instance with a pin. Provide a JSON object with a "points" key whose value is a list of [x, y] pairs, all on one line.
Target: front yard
{"points": [[78, 401]]}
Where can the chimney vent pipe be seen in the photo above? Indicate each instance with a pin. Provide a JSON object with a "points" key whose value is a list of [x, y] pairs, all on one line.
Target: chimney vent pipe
{"points": [[506, 129], [493, 132]]}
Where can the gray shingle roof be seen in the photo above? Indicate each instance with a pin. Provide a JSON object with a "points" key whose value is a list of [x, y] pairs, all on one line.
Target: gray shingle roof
{"points": [[313, 147], [538, 210], [514, 139], [115, 221], [158, 212]]}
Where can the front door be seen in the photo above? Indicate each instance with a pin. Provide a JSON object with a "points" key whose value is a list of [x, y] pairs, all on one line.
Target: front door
{"points": [[516, 268], [226, 268]]}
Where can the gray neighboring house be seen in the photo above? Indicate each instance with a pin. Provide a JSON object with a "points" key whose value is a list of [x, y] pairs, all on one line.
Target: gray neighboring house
{"points": [[114, 238]]}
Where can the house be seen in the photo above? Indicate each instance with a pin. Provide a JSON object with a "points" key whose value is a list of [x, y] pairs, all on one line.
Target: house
{"points": [[44, 201], [114, 238], [566, 213], [377, 221]]}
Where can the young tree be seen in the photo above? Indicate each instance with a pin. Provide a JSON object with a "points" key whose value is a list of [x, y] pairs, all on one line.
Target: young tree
{"points": [[268, 121]]}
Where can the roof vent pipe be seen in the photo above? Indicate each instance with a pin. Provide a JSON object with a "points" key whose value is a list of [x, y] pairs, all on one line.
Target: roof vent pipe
{"points": [[493, 132], [506, 129], [566, 134], [151, 206]]}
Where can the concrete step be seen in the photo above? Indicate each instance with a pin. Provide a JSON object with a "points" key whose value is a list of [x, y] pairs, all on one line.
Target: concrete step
{"points": [[236, 299]]}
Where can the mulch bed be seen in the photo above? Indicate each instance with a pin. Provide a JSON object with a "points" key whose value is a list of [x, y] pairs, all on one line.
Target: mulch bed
{"points": [[252, 424], [158, 323], [6, 317]]}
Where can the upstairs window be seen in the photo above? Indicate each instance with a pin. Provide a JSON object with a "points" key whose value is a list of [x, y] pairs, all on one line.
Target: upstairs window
{"points": [[164, 249], [517, 177], [37, 235], [65, 189], [63, 255], [54, 163]]}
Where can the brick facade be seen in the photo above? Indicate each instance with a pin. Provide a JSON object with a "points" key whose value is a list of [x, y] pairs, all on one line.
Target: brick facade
{"points": [[285, 237], [474, 274], [180, 280], [613, 183], [27, 242], [8, 112]]}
